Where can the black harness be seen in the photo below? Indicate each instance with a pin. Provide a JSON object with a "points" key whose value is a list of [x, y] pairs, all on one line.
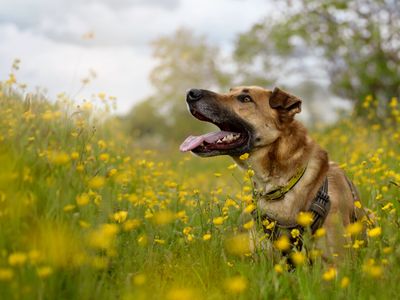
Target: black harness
{"points": [[319, 209]]}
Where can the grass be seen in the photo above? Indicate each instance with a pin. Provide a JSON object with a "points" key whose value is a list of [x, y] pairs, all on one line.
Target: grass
{"points": [[85, 213]]}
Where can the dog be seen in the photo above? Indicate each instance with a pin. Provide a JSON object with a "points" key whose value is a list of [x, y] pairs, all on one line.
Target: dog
{"points": [[292, 173]]}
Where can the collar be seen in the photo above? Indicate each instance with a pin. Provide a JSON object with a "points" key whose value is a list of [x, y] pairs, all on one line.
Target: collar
{"points": [[279, 192]]}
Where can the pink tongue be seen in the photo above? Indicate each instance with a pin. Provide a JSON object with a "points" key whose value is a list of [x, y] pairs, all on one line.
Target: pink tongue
{"points": [[192, 142]]}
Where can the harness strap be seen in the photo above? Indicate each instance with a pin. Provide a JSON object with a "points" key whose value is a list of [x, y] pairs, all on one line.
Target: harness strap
{"points": [[279, 192], [356, 197], [319, 208]]}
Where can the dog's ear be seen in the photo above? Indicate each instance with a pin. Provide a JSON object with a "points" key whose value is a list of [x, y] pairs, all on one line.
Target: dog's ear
{"points": [[286, 104]]}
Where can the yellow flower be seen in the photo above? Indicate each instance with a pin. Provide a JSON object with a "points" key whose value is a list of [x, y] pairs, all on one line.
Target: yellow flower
{"points": [[44, 272], [238, 244], [393, 102], [11, 79], [278, 268], [374, 232], [159, 241], [282, 243], [187, 230], [244, 156], [120, 216], [6, 274], [250, 173], [112, 172], [298, 258], [97, 182], [84, 224], [131, 224], [104, 157], [102, 95], [229, 202], [247, 189], [249, 208], [139, 279], [248, 225], [163, 217], [190, 237], [17, 259], [375, 271], [142, 240], [354, 228], [344, 282], [104, 236], [69, 207], [372, 269], [74, 155], [357, 244], [82, 199], [357, 204], [236, 284], [47, 115], [320, 232], [34, 256], [59, 158], [268, 224], [87, 105], [218, 220], [329, 274], [180, 294], [295, 233], [305, 218], [387, 206], [387, 250], [232, 166], [102, 144], [206, 237], [247, 198]]}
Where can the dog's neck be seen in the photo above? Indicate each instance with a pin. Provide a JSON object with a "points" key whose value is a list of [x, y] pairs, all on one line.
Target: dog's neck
{"points": [[276, 163]]}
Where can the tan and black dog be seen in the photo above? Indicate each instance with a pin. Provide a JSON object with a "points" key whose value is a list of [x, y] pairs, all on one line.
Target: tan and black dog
{"points": [[286, 161]]}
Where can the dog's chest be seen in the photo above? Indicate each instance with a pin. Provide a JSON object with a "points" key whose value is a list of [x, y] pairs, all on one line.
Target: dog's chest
{"points": [[284, 211]]}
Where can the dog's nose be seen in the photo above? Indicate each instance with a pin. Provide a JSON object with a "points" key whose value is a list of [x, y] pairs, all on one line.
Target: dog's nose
{"points": [[194, 95]]}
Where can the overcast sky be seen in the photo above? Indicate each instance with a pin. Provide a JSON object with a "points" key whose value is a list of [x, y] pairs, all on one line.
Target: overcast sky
{"points": [[47, 36]]}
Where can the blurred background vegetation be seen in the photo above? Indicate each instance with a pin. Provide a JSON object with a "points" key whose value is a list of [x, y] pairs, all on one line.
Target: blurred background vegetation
{"points": [[357, 43]]}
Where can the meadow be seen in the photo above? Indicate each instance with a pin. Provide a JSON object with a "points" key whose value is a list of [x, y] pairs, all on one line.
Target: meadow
{"points": [[87, 213]]}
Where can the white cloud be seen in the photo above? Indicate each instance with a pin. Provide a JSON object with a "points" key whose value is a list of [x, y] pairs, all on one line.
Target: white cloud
{"points": [[60, 67], [47, 36]]}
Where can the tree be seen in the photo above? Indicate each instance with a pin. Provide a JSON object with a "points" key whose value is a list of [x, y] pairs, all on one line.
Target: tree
{"points": [[184, 61], [356, 41], [145, 120]]}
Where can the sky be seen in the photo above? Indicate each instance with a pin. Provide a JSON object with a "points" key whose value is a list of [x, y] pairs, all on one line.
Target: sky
{"points": [[50, 37]]}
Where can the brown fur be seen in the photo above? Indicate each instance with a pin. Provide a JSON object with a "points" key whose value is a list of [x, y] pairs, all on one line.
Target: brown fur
{"points": [[281, 147]]}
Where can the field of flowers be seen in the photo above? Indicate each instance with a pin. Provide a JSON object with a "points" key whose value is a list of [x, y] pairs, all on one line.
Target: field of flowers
{"points": [[86, 213]]}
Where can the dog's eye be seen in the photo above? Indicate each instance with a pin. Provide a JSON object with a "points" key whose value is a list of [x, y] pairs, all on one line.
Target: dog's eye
{"points": [[244, 98]]}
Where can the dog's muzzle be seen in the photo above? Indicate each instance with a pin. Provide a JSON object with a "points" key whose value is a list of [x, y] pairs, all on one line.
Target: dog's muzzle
{"points": [[194, 95]]}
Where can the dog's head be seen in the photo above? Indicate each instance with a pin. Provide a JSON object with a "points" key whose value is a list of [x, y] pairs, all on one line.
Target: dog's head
{"points": [[248, 117]]}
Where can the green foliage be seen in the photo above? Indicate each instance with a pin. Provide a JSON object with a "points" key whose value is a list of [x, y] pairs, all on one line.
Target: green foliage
{"points": [[87, 214], [357, 41], [184, 61], [146, 120]]}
